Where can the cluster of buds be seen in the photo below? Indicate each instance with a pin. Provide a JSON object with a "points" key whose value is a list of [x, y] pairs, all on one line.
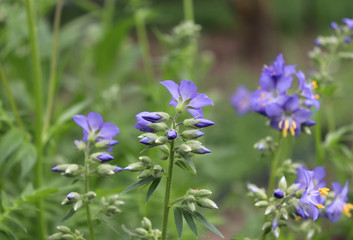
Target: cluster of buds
{"points": [[78, 199], [64, 233], [266, 145], [198, 197], [110, 206], [146, 232], [68, 170], [146, 168]]}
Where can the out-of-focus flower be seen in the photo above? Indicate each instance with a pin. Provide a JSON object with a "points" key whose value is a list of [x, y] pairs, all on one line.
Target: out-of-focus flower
{"points": [[339, 204], [347, 39], [305, 176], [306, 90], [278, 193], [333, 25], [348, 22], [317, 43], [186, 97], [241, 100]]}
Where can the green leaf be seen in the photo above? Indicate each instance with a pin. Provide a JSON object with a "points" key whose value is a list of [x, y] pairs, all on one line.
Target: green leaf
{"points": [[17, 222], [68, 215], [37, 195], [184, 166], [140, 183], [178, 218], [188, 161], [206, 223], [9, 143], [5, 201], [153, 187], [28, 156], [190, 221], [7, 230]]}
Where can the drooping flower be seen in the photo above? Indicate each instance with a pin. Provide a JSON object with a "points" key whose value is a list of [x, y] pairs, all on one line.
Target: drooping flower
{"points": [[186, 97], [289, 116], [274, 81], [94, 129], [241, 100], [306, 90], [339, 204]]}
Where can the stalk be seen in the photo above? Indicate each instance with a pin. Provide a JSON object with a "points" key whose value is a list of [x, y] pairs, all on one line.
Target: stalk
{"points": [[274, 166], [52, 77], [11, 99], [41, 226], [188, 10], [88, 210], [318, 141]]}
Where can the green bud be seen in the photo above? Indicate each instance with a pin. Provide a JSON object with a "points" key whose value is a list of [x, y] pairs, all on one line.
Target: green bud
{"points": [[164, 148], [292, 188], [192, 191], [158, 126], [72, 197], [184, 148], [56, 236], [68, 237], [91, 195], [146, 160], [141, 231], [191, 206], [190, 122], [261, 204], [164, 157], [149, 135], [136, 167], [146, 224], [270, 209], [165, 116], [102, 144], [80, 145], [144, 174], [299, 193], [157, 170], [193, 142], [258, 192], [206, 203], [190, 198], [203, 193], [284, 213], [191, 134], [63, 229], [106, 169], [267, 227], [283, 184], [78, 205], [161, 140]]}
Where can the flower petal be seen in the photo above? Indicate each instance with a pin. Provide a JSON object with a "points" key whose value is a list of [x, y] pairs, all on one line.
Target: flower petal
{"points": [[302, 115], [81, 120], [200, 100], [198, 113], [172, 87], [266, 82], [95, 121], [108, 130], [283, 84], [273, 110], [292, 104], [187, 90]]}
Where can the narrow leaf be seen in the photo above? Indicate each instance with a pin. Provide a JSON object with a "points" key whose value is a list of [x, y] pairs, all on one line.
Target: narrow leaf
{"points": [[153, 187], [206, 223], [190, 221], [188, 161], [184, 166], [68, 215], [17, 222], [140, 183], [178, 218], [8, 231], [9, 143]]}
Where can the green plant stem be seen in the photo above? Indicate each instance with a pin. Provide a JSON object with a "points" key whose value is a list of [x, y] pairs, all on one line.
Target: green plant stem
{"points": [[330, 117], [11, 99], [274, 166], [167, 192], [318, 141], [88, 210], [188, 10], [144, 44], [52, 76], [38, 93]]}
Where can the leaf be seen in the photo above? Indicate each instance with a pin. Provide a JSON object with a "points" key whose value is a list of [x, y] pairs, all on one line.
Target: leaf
{"points": [[107, 222], [188, 161], [17, 222], [68, 215], [28, 156], [9, 143], [206, 223], [37, 195], [153, 187], [140, 183], [190, 221], [5, 201], [178, 218], [7, 230], [184, 166]]}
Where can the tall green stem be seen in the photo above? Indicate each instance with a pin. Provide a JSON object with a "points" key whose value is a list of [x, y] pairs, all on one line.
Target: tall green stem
{"points": [[140, 24], [167, 192], [318, 141], [11, 99], [38, 93], [52, 76], [188, 10], [274, 166], [88, 210]]}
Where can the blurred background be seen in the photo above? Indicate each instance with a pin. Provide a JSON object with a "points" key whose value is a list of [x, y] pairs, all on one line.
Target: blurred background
{"points": [[102, 67]]}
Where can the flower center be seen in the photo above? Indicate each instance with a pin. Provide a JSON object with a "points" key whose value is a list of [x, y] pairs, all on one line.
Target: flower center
{"points": [[347, 208], [287, 125]]}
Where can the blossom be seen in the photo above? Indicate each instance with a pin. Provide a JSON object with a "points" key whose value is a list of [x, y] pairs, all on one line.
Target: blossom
{"points": [[241, 100], [172, 134], [94, 129], [333, 25], [274, 81], [305, 176], [289, 116], [186, 97], [306, 90], [144, 119], [348, 22], [339, 205], [278, 193]]}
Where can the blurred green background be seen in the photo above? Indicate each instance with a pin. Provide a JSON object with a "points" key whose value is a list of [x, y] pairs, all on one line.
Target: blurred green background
{"points": [[100, 69]]}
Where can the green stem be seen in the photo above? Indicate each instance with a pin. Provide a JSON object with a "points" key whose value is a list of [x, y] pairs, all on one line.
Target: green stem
{"points": [[275, 162], [318, 141], [144, 44], [167, 192], [32, 28], [52, 76], [11, 99], [330, 117], [88, 210], [188, 10]]}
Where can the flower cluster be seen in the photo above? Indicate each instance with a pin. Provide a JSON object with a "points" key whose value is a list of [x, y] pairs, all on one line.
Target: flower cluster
{"points": [[287, 112], [344, 34], [307, 198]]}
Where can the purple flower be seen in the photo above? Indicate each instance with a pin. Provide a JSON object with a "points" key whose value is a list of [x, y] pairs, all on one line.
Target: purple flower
{"points": [[95, 129], [275, 80], [186, 97], [306, 90], [333, 25], [118, 169], [348, 22], [305, 177], [70, 196], [317, 43], [143, 119], [241, 100], [172, 134], [289, 116], [339, 205], [278, 193], [347, 39], [105, 157], [147, 141]]}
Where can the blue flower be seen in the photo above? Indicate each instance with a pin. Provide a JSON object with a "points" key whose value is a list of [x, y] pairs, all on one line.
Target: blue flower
{"points": [[105, 157], [94, 129], [306, 90], [186, 97], [241, 100], [333, 25], [347, 39], [339, 204], [305, 177], [348, 22], [317, 43], [172, 134], [275, 80], [278, 193], [145, 118]]}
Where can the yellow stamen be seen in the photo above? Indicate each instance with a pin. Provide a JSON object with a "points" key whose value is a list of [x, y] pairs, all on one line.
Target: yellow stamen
{"points": [[280, 124], [284, 131], [286, 124], [259, 87], [262, 95], [317, 96], [294, 125], [291, 129], [324, 191], [315, 84], [320, 206], [298, 218], [347, 208]]}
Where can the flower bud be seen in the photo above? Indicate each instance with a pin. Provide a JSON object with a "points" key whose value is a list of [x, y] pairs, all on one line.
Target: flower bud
{"points": [[160, 126], [147, 141], [56, 236], [164, 157], [80, 145], [183, 148], [261, 204], [191, 206], [136, 167], [146, 160], [63, 229], [161, 140], [146, 224], [102, 143], [333, 26], [106, 170], [68, 237], [203, 193], [172, 134], [199, 149], [157, 170], [258, 192], [101, 157], [141, 231], [278, 193], [91, 195], [197, 122], [206, 203], [144, 174], [77, 205], [283, 183], [164, 148], [191, 134], [71, 198], [118, 169]]}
